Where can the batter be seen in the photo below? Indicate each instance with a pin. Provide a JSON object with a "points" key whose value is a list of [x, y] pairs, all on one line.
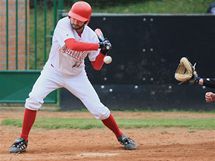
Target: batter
{"points": [[73, 41]]}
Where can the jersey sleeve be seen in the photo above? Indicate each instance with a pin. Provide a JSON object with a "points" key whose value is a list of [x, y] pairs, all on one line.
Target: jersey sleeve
{"points": [[63, 32]]}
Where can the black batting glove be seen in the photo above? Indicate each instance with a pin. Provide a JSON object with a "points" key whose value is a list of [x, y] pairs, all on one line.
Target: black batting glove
{"points": [[105, 46]]}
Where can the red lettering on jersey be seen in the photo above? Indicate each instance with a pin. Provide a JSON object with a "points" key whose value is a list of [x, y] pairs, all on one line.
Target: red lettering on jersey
{"points": [[77, 55]]}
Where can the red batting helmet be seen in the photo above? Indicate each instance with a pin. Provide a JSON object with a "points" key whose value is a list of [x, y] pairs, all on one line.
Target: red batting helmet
{"points": [[80, 11]]}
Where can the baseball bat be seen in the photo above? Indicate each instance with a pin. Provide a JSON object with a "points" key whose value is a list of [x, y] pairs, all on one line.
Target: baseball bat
{"points": [[100, 35]]}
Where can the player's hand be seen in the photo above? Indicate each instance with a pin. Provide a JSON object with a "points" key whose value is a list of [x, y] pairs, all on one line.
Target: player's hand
{"points": [[209, 97], [105, 46]]}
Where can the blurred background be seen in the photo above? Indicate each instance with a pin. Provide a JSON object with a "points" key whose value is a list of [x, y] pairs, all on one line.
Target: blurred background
{"points": [[148, 36]]}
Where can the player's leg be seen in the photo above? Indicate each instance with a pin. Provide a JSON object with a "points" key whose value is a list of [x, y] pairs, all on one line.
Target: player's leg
{"points": [[81, 87], [45, 84]]}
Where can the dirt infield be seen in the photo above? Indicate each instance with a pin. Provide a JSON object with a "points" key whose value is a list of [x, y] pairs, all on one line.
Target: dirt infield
{"points": [[155, 144]]}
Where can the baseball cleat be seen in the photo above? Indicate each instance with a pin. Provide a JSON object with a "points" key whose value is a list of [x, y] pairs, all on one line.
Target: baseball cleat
{"points": [[18, 146], [128, 143]]}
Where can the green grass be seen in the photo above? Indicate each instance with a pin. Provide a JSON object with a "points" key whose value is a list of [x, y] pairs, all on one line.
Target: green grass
{"points": [[77, 123]]}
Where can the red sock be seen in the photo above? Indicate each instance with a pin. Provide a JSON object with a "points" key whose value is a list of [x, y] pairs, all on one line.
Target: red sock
{"points": [[112, 125], [28, 121]]}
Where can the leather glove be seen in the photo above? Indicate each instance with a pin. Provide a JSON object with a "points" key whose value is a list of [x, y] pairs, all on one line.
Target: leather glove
{"points": [[186, 72]]}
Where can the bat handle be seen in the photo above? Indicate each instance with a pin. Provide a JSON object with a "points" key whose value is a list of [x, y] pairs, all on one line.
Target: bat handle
{"points": [[100, 39]]}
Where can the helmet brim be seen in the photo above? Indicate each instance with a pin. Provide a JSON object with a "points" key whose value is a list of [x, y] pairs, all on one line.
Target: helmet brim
{"points": [[77, 17]]}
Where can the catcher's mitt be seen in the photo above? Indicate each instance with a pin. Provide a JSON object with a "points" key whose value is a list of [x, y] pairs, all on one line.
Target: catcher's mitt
{"points": [[185, 71]]}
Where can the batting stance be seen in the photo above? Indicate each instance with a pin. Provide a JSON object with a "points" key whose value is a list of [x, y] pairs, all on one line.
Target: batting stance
{"points": [[186, 73], [73, 41]]}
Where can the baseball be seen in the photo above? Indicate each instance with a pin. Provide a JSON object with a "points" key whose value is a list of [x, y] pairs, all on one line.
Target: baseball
{"points": [[107, 59]]}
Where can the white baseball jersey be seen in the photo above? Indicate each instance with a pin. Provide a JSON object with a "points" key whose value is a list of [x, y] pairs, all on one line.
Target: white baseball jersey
{"points": [[65, 69], [65, 60]]}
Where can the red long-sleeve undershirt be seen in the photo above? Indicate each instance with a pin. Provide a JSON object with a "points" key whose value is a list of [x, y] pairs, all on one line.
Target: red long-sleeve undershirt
{"points": [[98, 63], [75, 45]]}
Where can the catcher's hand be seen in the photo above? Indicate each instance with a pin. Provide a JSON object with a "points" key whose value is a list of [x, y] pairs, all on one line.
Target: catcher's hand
{"points": [[209, 97], [186, 72]]}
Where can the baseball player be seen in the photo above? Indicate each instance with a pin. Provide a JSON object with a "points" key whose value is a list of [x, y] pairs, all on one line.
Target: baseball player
{"points": [[186, 73], [73, 41]]}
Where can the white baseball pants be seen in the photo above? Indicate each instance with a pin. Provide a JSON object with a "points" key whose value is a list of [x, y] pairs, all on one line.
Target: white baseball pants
{"points": [[79, 85]]}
